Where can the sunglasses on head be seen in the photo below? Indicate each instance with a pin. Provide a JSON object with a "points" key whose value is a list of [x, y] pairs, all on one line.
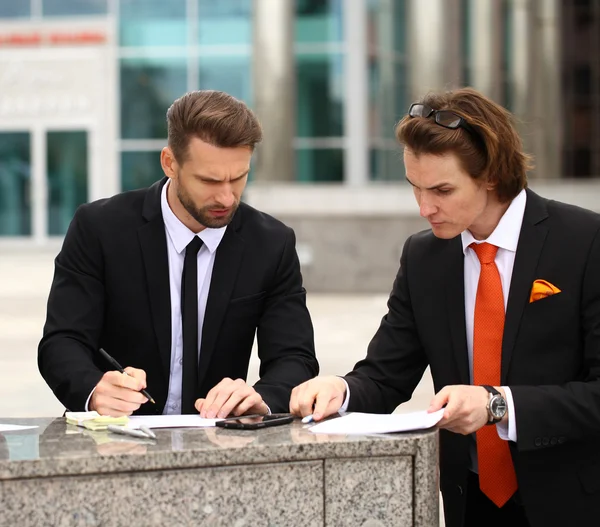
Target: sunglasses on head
{"points": [[445, 118]]}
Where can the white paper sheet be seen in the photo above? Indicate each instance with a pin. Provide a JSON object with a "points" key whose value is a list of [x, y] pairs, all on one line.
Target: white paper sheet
{"points": [[170, 421], [14, 428], [359, 423]]}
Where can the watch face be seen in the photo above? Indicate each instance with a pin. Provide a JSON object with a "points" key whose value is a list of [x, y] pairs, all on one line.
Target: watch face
{"points": [[498, 407]]}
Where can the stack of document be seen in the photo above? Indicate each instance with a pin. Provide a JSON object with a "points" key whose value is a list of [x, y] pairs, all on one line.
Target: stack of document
{"points": [[94, 421], [360, 423]]}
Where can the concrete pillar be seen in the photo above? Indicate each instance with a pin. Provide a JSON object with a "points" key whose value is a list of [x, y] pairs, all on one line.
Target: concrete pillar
{"points": [[274, 88], [434, 46], [546, 88], [485, 27], [356, 111], [452, 49], [426, 44]]}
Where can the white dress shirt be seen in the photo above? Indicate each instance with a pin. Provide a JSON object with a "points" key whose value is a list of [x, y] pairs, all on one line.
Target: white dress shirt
{"points": [[506, 238], [178, 238]]}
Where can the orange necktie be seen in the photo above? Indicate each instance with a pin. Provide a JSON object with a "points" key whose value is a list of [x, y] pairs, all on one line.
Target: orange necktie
{"points": [[497, 478]]}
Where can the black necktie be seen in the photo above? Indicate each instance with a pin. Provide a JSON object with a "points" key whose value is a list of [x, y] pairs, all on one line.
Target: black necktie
{"points": [[189, 320]]}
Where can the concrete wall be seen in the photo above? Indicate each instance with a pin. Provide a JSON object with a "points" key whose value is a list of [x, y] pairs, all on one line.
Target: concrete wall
{"points": [[349, 239]]}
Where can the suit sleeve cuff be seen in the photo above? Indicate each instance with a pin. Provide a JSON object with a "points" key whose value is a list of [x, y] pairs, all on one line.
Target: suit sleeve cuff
{"points": [[508, 431]]}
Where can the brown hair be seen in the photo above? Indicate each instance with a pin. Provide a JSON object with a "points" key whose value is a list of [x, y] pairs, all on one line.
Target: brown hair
{"points": [[492, 149], [214, 117]]}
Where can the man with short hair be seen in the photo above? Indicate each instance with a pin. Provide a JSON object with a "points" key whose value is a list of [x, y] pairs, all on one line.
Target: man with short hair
{"points": [[501, 299], [174, 281]]}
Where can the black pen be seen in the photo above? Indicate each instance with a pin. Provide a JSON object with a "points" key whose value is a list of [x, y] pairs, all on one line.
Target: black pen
{"points": [[117, 366]]}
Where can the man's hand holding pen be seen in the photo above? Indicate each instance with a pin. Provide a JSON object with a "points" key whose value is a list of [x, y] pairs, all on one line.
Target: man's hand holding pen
{"points": [[119, 393]]}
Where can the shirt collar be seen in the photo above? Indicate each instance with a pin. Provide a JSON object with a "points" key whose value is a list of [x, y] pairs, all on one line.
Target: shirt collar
{"points": [[506, 234], [180, 235]]}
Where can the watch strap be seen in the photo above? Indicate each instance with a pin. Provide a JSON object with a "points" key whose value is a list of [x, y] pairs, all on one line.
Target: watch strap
{"points": [[491, 389], [491, 419]]}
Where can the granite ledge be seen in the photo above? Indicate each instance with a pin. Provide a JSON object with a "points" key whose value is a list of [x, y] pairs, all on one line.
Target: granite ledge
{"points": [[62, 454]]}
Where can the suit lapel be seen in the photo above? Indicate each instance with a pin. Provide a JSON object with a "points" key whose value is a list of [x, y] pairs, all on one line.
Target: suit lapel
{"points": [[153, 243], [531, 240], [455, 305], [227, 261]]}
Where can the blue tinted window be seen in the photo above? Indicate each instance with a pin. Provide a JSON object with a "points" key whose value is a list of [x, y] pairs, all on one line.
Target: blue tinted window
{"points": [[148, 88], [73, 7], [386, 164], [14, 9], [140, 169], [224, 22], [318, 21], [15, 183], [319, 95], [228, 74], [315, 164], [67, 175], [152, 23]]}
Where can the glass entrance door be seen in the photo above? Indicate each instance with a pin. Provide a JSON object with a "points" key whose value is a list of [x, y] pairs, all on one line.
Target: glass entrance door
{"points": [[15, 184], [44, 177], [66, 177]]}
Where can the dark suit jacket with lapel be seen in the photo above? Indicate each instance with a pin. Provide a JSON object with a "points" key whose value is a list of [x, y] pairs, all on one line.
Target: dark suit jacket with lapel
{"points": [[550, 359], [111, 290]]}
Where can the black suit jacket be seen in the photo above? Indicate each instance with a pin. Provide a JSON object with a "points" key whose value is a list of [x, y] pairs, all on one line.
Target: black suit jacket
{"points": [[111, 290], [550, 359]]}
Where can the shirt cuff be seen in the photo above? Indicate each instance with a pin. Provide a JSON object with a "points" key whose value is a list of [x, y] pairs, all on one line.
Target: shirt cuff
{"points": [[344, 406], [87, 403], [508, 432]]}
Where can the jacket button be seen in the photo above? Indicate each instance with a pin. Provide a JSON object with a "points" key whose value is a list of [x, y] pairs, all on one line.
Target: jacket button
{"points": [[553, 441], [561, 440], [545, 441], [538, 441]]}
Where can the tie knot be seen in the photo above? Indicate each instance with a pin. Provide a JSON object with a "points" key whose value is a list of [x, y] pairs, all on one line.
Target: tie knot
{"points": [[194, 246], [486, 252]]}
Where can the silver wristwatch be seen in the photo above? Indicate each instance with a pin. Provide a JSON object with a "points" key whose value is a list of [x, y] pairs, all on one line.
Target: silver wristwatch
{"points": [[496, 406]]}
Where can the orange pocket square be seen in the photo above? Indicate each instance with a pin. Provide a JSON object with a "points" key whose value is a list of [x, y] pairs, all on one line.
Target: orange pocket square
{"points": [[542, 289]]}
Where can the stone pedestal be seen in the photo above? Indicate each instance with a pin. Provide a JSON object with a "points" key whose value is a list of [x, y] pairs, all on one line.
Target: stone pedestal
{"points": [[281, 476]]}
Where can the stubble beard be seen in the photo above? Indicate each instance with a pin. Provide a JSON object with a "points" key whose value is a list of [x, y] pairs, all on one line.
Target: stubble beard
{"points": [[202, 215]]}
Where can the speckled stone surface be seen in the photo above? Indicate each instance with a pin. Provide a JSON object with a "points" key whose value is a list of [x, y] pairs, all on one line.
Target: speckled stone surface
{"points": [[58, 474], [383, 484], [251, 495]]}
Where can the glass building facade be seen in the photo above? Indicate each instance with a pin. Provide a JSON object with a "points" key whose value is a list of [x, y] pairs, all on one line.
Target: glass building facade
{"points": [[99, 124], [168, 49]]}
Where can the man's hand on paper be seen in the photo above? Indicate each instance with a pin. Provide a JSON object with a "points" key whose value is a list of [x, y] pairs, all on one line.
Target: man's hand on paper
{"points": [[465, 410], [321, 397], [231, 397], [117, 394]]}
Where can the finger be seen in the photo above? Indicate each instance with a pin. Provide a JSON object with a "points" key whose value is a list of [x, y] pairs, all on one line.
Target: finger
{"points": [[439, 400], [324, 404], [254, 400], [106, 388], [231, 392], [138, 374], [115, 407], [307, 397], [235, 398], [199, 404], [213, 394], [124, 381], [453, 407]]}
